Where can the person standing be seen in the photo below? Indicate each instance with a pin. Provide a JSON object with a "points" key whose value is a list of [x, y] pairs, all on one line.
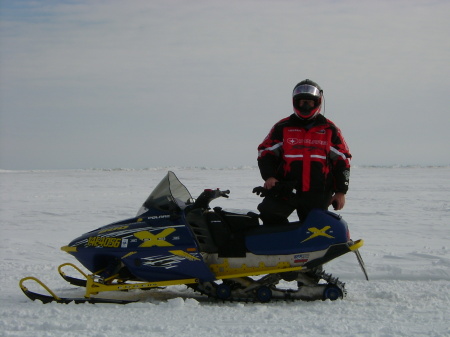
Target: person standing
{"points": [[304, 153]]}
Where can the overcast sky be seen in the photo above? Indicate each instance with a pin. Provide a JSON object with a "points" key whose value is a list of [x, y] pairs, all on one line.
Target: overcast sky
{"points": [[151, 83]]}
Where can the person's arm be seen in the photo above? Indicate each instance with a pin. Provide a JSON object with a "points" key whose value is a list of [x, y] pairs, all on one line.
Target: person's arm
{"points": [[269, 155], [340, 164], [338, 201]]}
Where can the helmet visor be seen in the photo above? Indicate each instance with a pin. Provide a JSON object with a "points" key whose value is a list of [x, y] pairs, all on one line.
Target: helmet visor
{"points": [[306, 89]]}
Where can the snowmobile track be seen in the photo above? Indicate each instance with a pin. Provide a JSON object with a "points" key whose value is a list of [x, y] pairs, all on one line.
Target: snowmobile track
{"points": [[260, 291]]}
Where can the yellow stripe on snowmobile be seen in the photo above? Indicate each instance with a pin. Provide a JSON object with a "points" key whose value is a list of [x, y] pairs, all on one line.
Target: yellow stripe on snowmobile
{"points": [[128, 254], [356, 245], [69, 249], [184, 254], [93, 288], [224, 271]]}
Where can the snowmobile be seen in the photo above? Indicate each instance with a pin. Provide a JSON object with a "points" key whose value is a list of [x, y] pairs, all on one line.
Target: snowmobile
{"points": [[230, 256]]}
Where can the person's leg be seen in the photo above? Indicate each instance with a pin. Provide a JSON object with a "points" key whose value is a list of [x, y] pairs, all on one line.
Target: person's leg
{"points": [[274, 211], [309, 201]]}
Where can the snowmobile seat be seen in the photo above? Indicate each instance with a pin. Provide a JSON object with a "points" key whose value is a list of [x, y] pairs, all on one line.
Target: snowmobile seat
{"points": [[229, 229], [274, 229], [221, 231], [239, 222]]}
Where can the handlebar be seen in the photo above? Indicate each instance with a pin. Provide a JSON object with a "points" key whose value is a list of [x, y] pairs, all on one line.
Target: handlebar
{"points": [[209, 195]]}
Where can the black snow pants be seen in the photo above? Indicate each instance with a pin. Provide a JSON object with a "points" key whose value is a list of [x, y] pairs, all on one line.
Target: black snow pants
{"points": [[275, 211]]}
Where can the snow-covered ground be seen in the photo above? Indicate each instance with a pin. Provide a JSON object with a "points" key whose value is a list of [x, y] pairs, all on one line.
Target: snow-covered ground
{"points": [[402, 213]]}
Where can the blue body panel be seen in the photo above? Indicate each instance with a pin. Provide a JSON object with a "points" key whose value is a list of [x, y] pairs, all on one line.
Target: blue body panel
{"points": [[320, 230], [154, 247]]}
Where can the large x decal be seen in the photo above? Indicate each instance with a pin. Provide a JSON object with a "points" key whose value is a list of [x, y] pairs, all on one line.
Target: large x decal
{"points": [[318, 232], [151, 240]]}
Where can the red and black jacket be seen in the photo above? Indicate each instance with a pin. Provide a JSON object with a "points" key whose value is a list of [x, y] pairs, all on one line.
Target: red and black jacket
{"points": [[312, 153]]}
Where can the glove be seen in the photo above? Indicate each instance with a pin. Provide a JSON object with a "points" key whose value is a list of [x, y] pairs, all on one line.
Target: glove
{"points": [[282, 189], [261, 191]]}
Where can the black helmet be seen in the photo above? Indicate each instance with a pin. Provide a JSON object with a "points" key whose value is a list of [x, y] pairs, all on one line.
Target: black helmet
{"points": [[307, 90]]}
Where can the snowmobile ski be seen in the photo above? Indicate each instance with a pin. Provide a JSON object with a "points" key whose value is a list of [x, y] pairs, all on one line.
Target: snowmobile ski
{"points": [[94, 287], [65, 300], [73, 280]]}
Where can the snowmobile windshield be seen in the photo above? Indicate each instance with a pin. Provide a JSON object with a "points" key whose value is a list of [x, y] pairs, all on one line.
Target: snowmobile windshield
{"points": [[169, 196]]}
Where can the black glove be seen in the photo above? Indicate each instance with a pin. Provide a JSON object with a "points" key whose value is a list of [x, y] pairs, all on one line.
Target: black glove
{"points": [[261, 191], [282, 189]]}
